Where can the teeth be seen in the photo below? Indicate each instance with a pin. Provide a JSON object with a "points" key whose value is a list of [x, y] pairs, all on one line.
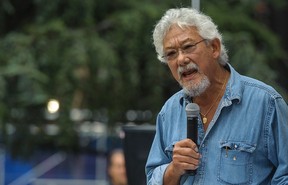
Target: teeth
{"points": [[185, 74], [188, 72]]}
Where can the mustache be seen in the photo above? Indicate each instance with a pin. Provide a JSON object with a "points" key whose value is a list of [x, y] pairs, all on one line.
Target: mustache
{"points": [[190, 66]]}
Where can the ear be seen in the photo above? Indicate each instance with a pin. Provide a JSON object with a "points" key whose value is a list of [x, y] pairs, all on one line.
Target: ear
{"points": [[216, 47]]}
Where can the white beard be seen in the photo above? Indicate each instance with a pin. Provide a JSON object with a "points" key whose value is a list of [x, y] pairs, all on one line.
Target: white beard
{"points": [[194, 90], [191, 89]]}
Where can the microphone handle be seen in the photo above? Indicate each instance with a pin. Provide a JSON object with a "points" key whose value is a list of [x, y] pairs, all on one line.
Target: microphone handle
{"points": [[192, 129], [192, 133]]}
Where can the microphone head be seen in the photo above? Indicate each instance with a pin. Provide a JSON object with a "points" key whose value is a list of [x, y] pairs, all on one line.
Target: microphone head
{"points": [[192, 110]]}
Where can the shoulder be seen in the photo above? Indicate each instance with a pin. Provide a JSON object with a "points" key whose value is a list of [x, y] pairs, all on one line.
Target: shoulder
{"points": [[176, 100], [241, 86], [259, 87]]}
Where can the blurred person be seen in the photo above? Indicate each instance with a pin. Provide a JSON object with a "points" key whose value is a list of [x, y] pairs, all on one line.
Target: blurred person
{"points": [[116, 168], [242, 124]]}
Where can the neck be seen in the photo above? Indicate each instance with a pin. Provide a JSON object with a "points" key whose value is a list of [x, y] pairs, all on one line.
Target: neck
{"points": [[213, 92]]}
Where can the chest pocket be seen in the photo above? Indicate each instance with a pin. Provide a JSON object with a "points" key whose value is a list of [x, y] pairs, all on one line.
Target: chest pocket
{"points": [[235, 163]]}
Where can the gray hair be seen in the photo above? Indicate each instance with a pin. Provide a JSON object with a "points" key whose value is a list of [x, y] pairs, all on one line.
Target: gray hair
{"points": [[184, 17]]}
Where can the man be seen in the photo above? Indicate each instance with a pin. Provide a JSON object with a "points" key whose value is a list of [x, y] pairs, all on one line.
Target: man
{"points": [[242, 125], [116, 168]]}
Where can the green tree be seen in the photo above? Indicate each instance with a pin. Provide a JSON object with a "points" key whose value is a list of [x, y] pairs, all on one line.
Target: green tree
{"points": [[98, 55], [254, 50]]}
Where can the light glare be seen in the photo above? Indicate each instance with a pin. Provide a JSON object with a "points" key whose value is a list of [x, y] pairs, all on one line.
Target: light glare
{"points": [[53, 106]]}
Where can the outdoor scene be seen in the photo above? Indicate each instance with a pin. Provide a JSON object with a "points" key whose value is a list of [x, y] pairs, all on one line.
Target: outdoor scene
{"points": [[74, 73]]}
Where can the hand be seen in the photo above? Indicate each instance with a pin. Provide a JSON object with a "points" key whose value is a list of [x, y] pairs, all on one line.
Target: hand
{"points": [[185, 156]]}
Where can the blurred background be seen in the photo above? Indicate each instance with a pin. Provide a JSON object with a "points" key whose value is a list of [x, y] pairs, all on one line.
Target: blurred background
{"points": [[73, 72]]}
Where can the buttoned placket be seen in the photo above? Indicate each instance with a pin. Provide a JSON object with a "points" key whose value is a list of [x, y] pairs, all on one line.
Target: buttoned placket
{"points": [[203, 140]]}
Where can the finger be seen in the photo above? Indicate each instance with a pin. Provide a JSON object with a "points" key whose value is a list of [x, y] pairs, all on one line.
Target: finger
{"points": [[184, 151], [187, 160], [191, 165], [187, 143]]}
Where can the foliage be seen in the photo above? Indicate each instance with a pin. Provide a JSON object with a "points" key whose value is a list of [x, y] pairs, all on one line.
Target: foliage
{"points": [[98, 55], [253, 48]]}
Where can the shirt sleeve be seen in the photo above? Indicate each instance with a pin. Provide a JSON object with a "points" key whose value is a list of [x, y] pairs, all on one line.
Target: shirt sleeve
{"points": [[277, 140], [158, 159]]}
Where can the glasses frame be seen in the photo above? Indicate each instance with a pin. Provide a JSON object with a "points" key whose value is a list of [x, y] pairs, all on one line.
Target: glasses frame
{"points": [[192, 47]]}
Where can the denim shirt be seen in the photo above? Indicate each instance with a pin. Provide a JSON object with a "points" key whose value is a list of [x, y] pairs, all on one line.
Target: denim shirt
{"points": [[245, 143]]}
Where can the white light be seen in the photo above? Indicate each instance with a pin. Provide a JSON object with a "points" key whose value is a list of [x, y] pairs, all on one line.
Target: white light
{"points": [[52, 129], [131, 115], [53, 106]]}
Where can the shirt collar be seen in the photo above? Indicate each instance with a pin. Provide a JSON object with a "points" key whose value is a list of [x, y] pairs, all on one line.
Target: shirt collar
{"points": [[184, 98], [233, 90]]}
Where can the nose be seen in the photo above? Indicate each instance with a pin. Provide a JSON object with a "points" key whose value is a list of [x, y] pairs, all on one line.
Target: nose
{"points": [[182, 59]]}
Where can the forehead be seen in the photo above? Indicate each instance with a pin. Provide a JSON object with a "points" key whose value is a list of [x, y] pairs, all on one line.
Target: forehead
{"points": [[116, 157], [177, 35]]}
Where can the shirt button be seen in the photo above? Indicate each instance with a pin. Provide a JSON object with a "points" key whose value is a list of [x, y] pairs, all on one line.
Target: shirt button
{"points": [[203, 145]]}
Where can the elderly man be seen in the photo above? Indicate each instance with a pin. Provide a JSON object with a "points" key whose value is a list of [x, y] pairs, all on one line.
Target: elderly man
{"points": [[242, 125]]}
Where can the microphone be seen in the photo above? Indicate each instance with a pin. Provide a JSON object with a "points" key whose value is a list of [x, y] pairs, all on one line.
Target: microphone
{"points": [[192, 112]]}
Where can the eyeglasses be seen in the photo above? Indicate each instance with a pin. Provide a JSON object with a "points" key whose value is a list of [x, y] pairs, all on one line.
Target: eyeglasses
{"points": [[185, 49]]}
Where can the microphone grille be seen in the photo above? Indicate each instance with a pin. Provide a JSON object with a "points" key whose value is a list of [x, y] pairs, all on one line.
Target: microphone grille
{"points": [[192, 110]]}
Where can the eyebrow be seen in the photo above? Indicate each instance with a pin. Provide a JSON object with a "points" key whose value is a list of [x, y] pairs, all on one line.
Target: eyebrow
{"points": [[181, 43]]}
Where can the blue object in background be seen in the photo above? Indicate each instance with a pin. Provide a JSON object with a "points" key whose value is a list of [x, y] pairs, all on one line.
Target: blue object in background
{"points": [[14, 168], [54, 165]]}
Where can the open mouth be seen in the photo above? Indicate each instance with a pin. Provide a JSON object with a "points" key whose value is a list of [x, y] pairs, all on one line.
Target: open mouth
{"points": [[188, 73]]}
